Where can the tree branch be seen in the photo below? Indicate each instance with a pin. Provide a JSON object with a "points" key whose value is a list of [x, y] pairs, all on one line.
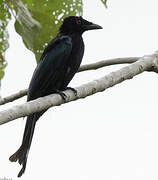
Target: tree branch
{"points": [[145, 63], [108, 62], [13, 97], [85, 67]]}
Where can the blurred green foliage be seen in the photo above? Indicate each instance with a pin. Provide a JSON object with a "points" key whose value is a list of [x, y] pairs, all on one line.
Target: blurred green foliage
{"points": [[37, 22], [104, 2], [5, 16]]}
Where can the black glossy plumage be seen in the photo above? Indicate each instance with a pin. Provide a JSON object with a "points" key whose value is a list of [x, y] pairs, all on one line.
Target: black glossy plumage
{"points": [[58, 64]]}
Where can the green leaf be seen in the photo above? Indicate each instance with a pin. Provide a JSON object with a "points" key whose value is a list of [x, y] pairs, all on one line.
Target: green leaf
{"points": [[4, 19], [37, 21], [104, 2]]}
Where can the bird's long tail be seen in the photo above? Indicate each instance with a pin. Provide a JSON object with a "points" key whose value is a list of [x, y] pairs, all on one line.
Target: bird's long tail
{"points": [[22, 153]]}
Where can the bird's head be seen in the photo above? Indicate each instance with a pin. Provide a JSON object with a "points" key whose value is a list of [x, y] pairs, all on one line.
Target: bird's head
{"points": [[77, 24]]}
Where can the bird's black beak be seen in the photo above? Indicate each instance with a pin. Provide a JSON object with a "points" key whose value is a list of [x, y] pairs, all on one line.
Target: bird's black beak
{"points": [[91, 26]]}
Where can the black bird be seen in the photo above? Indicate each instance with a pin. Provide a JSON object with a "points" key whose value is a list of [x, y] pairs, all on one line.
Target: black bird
{"points": [[58, 64]]}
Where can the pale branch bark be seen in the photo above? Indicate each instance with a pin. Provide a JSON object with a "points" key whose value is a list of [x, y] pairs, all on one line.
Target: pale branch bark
{"points": [[13, 97], [145, 63], [108, 62], [85, 67]]}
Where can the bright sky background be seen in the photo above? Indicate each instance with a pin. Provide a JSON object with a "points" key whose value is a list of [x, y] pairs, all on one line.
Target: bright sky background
{"points": [[112, 135]]}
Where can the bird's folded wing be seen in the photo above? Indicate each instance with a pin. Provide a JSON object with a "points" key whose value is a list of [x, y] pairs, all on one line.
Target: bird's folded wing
{"points": [[49, 66]]}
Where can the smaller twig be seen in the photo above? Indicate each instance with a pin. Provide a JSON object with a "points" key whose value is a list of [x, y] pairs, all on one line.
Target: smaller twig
{"points": [[108, 62], [13, 97], [85, 67]]}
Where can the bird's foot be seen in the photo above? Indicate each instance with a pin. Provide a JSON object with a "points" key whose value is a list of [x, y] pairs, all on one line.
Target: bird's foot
{"points": [[72, 89], [63, 95]]}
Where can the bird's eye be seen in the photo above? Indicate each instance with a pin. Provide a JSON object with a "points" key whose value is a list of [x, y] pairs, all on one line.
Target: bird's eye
{"points": [[78, 21]]}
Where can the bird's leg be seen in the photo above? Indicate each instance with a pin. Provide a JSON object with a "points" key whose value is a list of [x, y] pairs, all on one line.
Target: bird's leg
{"points": [[72, 89], [63, 95]]}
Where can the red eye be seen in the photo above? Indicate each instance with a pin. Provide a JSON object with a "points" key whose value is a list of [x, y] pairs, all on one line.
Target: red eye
{"points": [[78, 21]]}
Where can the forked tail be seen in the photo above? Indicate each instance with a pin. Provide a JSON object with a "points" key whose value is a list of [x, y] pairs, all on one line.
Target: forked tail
{"points": [[22, 153]]}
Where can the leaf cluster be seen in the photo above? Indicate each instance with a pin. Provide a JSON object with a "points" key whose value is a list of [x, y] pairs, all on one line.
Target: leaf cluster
{"points": [[37, 22]]}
